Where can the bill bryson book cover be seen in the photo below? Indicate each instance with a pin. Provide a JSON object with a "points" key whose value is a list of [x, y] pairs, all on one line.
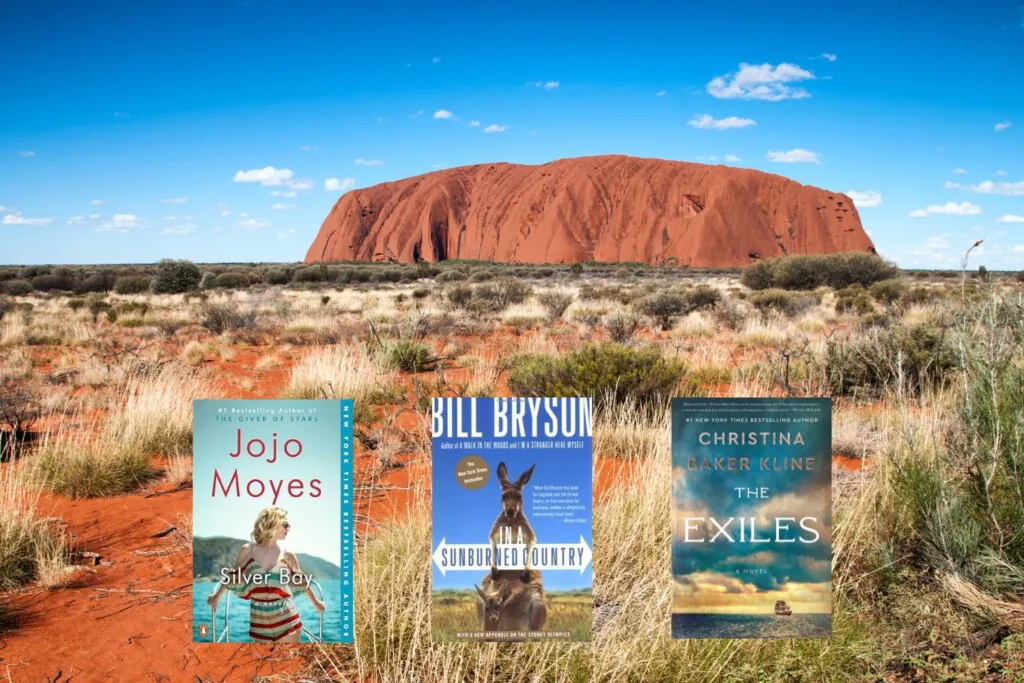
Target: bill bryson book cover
{"points": [[751, 518], [272, 548], [512, 519]]}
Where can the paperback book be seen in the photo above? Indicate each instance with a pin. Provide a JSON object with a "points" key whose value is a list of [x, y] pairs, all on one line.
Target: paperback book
{"points": [[751, 518], [512, 519], [272, 549]]}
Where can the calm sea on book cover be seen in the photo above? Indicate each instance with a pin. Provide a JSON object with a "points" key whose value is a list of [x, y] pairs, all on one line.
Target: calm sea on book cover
{"points": [[751, 518], [512, 519], [272, 550]]}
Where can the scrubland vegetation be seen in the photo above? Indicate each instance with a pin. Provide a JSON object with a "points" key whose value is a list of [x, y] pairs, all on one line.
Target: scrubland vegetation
{"points": [[926, 371]]}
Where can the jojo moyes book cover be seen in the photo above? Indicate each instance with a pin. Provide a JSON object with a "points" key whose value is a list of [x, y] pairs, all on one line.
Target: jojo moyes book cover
{"points": [[512, 519], [272, 548], [751, 518]]}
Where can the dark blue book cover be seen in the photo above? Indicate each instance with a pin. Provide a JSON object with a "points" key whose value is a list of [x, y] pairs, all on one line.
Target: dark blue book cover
{"points": [[512, 519], [751, 518], [272, 548]]}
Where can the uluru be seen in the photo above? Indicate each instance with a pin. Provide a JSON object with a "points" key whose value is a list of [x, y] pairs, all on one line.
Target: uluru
{"points": [[600, 208]]}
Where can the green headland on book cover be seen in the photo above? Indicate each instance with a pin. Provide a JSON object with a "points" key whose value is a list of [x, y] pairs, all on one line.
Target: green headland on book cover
{"points": [[751, 518]]}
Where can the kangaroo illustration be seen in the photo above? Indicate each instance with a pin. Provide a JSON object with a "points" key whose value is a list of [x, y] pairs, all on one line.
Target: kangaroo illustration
{"points": [[511, 522], [511, 604]]}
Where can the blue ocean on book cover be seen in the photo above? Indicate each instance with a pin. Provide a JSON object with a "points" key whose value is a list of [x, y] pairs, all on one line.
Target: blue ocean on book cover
{"points": [[512, 519], [751, 518], [272, 550]]}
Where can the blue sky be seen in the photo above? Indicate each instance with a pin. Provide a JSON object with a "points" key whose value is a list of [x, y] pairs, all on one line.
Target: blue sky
{"points": [[134, 131]]}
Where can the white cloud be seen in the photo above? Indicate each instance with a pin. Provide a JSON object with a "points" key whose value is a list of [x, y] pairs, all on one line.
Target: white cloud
{"points": [[286, 233], [225, 212], [3, 208], [26, 153], [301, 184], [829, 56], [253, 224], [1010, 218], [309, 148], [282, 207], [96, 202], [710, 158], [175, 230], [1000, 173], [121, 222], [707, 121], [267, 176], [286, 193], [1002, 125], [547, 85], [865, 199], [339, 185], [474, 123], [661, 93], [175, 200], [368, 162], [959, 171], [732, 158], [795, 156], [761, 82], [947, 209], [495, 128], [443, 114], [18, 219], [936, 244], [991, 187]]}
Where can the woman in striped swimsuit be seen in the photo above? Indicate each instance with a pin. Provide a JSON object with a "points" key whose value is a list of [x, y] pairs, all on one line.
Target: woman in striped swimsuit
{"points": [[272, 612]]}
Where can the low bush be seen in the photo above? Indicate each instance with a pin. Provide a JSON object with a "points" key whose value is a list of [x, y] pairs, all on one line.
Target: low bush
{"points": [[132, 284], [555, 304], [176, 277], [610, 373], [17, 287], [888, 292], [810, 271], [220, 318]]}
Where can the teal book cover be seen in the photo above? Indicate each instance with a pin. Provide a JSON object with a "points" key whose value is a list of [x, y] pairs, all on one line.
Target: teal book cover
{"points": [[272, 523], [751, 518], [512, 519]]}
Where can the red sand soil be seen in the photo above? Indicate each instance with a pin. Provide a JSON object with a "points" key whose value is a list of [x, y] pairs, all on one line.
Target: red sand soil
{"points": [[601, 208]]}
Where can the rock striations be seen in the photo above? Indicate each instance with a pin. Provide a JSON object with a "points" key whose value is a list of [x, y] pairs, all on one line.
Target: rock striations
{"points": [[602, 208]]}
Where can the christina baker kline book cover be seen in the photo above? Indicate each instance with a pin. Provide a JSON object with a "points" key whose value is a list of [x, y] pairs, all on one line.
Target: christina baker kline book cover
{"points": [[752, 518], [512, 519], [272, 548]]}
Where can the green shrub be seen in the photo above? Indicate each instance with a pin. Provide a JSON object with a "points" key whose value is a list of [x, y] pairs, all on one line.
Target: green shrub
{"points": [[76, 304], [810, 271], [53, 282], [231, 281], [916, 355], [665, 307], [278, 276], [555, 303], [132, 284], [780, 301], [317, 273], [219, 318], [703, 298], [450, 276], [96, 304], [607, 372], [409, 356], [176, 277], [17, 287], [889, 291]]}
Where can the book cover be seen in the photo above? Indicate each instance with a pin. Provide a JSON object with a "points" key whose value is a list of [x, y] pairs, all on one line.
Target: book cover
{"points": [[512, 519], [751, 518], [272, 523]]}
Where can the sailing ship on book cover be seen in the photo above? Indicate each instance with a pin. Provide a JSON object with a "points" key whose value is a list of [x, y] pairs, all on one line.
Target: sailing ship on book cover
{"points": [[751, 518], [512, 519], [272, 549]]}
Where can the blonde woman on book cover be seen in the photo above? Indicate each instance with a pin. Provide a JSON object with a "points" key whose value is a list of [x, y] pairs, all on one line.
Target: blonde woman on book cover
{"points": [[272, 612]]}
